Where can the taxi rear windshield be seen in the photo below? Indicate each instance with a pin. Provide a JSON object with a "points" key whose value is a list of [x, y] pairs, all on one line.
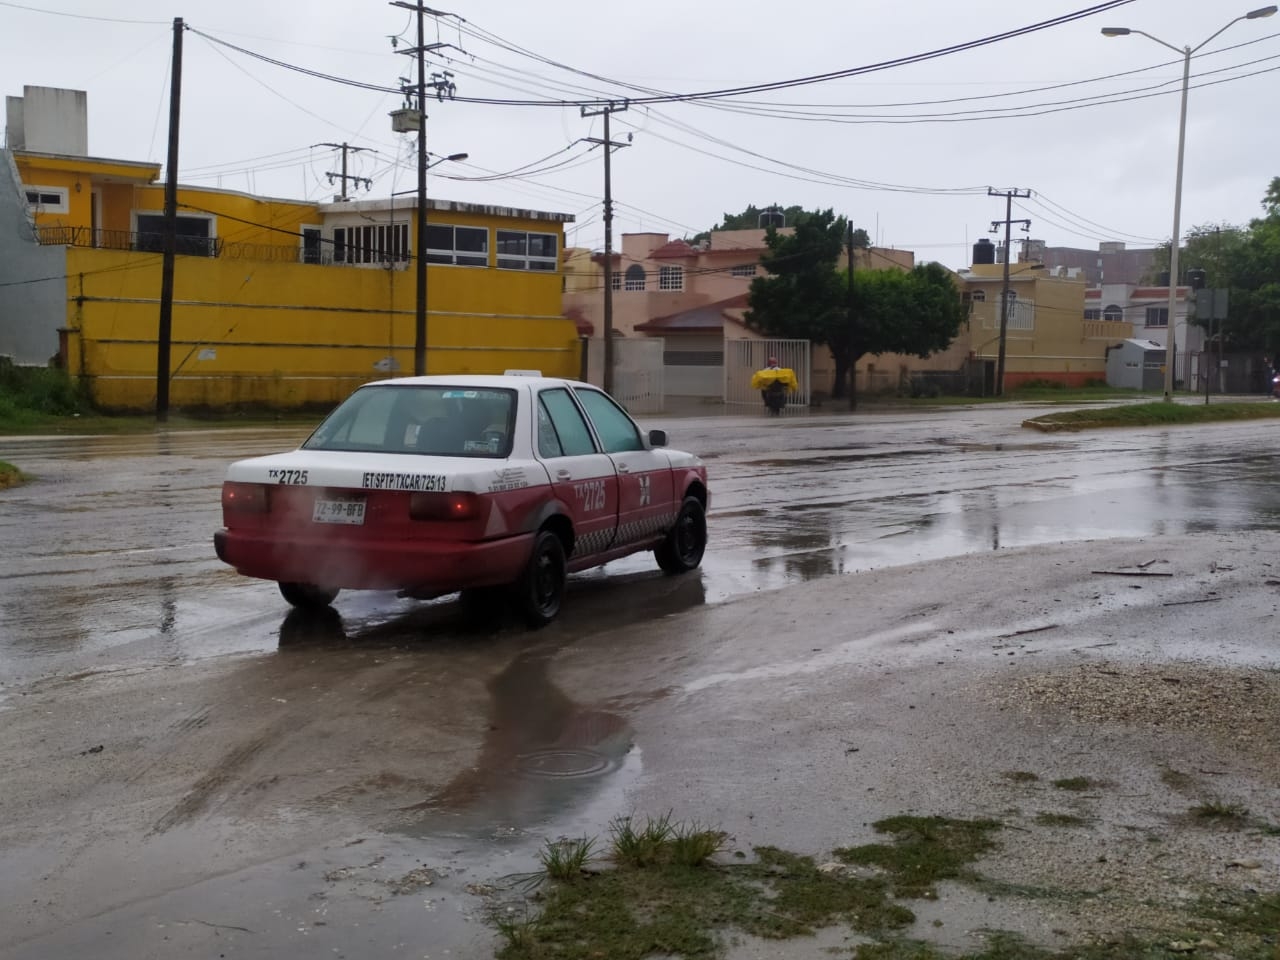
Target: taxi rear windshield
{"points": [[436, 420]]}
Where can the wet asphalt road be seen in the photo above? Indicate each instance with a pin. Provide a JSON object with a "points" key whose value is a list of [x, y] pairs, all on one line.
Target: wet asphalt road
{"points": [[108, 559], [247, 751]]}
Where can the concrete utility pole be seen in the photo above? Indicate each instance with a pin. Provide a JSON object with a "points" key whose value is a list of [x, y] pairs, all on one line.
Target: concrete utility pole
{"points": [[343, 177], [1009, 196], [853, 332], [420, 241], [608, 145], [165, 335]]}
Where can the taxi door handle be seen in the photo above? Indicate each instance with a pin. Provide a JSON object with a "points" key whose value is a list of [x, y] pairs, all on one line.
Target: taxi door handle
{"points": [[623, 468], [563, 475]]}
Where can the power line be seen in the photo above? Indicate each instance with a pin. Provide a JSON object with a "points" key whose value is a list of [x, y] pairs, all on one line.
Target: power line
{"points": [[727, 91]]}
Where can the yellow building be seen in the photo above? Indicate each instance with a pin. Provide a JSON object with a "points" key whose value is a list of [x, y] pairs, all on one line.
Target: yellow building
{"points": [[1047, 336], [276, 302]]}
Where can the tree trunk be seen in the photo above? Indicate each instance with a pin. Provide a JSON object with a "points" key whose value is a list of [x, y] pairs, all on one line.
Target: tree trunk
{"points": [[841, 377]]}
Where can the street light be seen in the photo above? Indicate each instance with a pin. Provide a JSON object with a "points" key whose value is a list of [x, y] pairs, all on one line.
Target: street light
{"points": [[420, 253], [1187, 53]]}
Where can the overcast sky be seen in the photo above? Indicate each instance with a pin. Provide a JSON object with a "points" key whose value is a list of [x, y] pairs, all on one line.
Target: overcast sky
{"points": [[1101, 172]]}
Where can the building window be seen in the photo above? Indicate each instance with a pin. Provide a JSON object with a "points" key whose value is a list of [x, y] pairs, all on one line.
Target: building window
{"points": [[461, 246], [193, 236], [743, 270], [671, 278], [1092, 313], [615, 279], [518, 250], [375, 243], [1157, 316], [979, 296], [312, 245], [47, 199], [635, 277], [1112, 312]]}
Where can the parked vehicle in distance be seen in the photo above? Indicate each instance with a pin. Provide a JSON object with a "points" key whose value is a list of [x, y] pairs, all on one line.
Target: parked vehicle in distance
{"points": [[479, 484]]}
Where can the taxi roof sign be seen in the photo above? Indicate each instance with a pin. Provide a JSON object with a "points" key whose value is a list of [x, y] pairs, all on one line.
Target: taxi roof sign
{"points": [[522, 373]]}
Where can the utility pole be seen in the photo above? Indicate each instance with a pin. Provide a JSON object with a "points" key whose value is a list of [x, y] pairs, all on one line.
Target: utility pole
{"points": [[420, 241], [165, 335], [853, 330], [605, 111], [1009, 196], [343, 177]]}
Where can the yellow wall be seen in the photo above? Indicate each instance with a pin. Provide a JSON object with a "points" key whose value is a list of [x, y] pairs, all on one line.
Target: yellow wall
{"points": [[288, 334]]}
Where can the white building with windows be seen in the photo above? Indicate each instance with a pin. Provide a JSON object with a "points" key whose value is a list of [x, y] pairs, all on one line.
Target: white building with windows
{"points": [[1147, 309]]}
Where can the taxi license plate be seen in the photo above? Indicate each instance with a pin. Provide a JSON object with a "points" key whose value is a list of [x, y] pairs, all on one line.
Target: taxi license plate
{"points": [[338, 511]]}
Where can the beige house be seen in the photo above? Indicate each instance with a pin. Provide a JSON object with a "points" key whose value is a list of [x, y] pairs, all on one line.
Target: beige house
{"points": [[693, 297], [1049, 335]]}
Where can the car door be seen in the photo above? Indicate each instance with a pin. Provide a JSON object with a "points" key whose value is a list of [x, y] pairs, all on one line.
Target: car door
{"points": [[581, 475], [646, 498]]}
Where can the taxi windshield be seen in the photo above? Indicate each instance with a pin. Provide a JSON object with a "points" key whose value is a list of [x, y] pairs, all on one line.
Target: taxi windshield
{"points": [[436, 420]]}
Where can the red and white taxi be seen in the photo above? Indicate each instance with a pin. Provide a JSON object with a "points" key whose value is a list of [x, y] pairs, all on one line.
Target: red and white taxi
{"points": [[430, 485]]}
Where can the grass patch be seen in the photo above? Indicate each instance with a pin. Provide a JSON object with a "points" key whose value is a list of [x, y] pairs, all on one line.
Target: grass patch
{"points": [[1076, 784], [10, 476], [1020, 776], [637, 846], [669, 898], [1220, 812], [668, 909], [1153, 414], [924, 850], [564, 860], [1060, 820]]}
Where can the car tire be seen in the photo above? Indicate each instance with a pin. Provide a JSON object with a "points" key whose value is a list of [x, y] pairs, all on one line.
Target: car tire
{"points": [[308, 596], [540, 590], [686, 541]]}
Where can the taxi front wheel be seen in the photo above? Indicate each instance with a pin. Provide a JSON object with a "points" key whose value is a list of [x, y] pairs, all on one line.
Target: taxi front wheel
{"points": [[307, 596], [540, 590], [686, 541]]}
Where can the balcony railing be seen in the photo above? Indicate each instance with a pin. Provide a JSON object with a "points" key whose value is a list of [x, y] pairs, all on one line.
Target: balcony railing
{"points": [[151, 242]]}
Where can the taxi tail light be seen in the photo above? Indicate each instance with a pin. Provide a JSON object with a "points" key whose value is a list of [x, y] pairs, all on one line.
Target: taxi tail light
{"points": [[444, 506], [245, 498]]}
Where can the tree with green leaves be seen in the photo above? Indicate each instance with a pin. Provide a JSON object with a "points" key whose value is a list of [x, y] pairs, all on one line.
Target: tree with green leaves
{"points": [[1245, 261], [749, 219], [806, 296]]}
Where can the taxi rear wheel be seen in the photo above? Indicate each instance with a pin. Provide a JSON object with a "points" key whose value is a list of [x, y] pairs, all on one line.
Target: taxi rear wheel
{"points": [[686, 541], [308, 596], [540, 590]]}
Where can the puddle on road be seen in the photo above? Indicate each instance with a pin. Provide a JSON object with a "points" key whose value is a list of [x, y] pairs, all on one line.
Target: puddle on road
{"points": [[544, 756]]}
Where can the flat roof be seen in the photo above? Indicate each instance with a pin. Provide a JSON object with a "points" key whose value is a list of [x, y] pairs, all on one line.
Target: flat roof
{"points": [[444, 206]]}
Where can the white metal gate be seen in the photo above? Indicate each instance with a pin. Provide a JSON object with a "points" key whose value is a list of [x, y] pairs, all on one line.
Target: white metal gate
{"points": [[742, 358], [637, 374]]}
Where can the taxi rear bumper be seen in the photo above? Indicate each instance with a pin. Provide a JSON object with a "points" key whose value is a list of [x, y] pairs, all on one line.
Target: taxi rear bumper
{"points": [[416, 566]]}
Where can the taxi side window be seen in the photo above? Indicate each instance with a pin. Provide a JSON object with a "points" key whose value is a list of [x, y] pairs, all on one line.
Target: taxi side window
{"points": [[616, 430], [561, 430]]}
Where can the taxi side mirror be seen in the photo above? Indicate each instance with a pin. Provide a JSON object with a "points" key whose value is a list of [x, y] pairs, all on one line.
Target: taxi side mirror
{"points": [[657, 438]]}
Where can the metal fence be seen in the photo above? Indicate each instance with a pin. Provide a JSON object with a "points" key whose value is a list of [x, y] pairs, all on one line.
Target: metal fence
{"points": [[152, 242], [638, 381], [742, 358]]}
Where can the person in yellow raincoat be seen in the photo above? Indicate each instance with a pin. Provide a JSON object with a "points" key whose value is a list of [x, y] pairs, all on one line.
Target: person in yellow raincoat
{"points": [[774, 382]]}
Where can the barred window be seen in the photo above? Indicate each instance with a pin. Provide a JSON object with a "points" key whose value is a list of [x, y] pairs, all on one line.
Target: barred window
{"points": [[1113, 312], [461, 246], [518, 250], [743, 270], [1157, 316], [1092, 313], [671, 278], [635, 277], [615, 279], [374, 243]]}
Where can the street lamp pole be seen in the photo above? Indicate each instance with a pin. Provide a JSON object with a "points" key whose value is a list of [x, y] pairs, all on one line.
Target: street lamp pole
{"points": [[1175, 241]]}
